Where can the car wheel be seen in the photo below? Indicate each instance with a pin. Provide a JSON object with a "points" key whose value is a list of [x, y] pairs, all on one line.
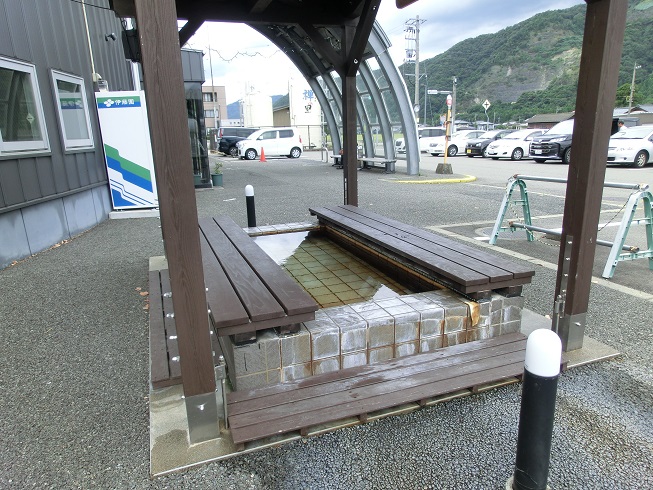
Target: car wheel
{"points": [[567, 156], [295, 153], [539, 160], [641, 159], [452, 151], [233, 151], [485, 152], [517, 154], [250, 154]]}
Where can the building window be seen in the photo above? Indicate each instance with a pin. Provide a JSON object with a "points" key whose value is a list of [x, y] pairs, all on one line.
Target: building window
{"points": [[22, 125], [209, 113], [207, 97], [72, 108]]}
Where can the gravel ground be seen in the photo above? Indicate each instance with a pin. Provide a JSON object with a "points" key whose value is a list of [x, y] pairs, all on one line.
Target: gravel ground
{"points": [[74, 364]]}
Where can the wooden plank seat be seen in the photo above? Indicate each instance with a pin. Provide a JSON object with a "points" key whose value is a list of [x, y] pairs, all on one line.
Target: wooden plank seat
{"points": [[388, 164], [469, 271], [247, 290], [358, 391], [165, 369]]}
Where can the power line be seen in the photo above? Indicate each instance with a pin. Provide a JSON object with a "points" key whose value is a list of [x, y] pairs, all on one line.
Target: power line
{"points": [[90, 5]]}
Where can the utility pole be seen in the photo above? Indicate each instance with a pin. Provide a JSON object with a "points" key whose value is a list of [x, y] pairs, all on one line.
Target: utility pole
{"points": [[213, 93], [412, 54], [453, 106], [632, 88]]}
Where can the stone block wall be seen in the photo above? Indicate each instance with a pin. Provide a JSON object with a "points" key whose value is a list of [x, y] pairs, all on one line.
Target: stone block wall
{"points": [[366, 333]]}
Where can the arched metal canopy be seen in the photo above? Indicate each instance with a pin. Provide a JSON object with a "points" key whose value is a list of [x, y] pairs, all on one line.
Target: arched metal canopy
{"points": [[313, 40]]}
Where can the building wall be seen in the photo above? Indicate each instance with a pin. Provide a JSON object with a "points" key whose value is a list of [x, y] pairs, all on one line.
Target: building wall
{"points": [[219, 103], [50, 196]]}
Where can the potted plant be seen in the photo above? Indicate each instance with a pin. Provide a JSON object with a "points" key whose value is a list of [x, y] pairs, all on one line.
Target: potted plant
{"points": [[216, 174]]}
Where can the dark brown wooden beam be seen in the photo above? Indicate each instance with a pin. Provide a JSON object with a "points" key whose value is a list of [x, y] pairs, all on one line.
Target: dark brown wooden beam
{"points": [[597, 85], [277, 13], [324, 48], [189, 29], [259, 6], [362, 35], [349, 124], [166, 107]]}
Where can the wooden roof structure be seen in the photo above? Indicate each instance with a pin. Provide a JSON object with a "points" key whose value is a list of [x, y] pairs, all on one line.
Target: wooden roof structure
{"points": [[351, 21]]}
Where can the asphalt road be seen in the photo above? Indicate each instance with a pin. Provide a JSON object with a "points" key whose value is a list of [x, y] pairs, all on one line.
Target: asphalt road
{"points": [[74, 356]]}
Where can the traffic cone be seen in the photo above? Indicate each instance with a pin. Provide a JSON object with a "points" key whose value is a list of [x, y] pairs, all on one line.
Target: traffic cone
{"points": [[263, 155]]}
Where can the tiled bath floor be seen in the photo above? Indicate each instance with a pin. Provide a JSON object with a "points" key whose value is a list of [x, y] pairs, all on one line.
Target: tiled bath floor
{"points": [[332, 275]]}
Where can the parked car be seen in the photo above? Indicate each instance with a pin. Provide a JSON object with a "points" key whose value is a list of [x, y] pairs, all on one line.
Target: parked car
{"points": [[227, 145], [513, 146], [236, 131], [555, 144], [273, 141], [427, 135], [478, 146], [631, 147], [456, 143]]}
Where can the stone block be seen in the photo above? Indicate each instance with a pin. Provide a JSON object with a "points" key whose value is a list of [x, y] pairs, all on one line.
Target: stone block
{"points": [[381, 332], [328, 365], [369, 310], [432, 321], [251, 381], [381, 354], [353, 337], [260, 356], [296, 371], [453, 323], [354, 359], [474, 334], [429, 344], [325, 338], [454, 338], [407, 349], [407, 326], [296, 348], [510, 327]]}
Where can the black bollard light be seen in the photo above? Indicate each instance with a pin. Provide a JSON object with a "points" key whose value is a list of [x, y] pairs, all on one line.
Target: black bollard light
{"points": [[251, 210], [539, 388]]}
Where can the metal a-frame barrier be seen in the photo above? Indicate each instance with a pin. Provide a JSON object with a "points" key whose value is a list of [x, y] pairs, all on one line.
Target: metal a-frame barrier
{"points": [[619, 251]]}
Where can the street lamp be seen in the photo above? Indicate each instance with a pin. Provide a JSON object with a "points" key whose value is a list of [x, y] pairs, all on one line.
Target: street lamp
{"points": [[632, 88]]}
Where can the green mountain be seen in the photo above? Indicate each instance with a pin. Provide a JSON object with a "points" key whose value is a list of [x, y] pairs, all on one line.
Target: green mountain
{"points": [[531, 68]]}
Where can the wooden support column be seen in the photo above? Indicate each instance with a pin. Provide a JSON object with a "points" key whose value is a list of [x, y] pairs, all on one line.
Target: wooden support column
{"points": [[597, 84], [350, 146], [166, 106]]}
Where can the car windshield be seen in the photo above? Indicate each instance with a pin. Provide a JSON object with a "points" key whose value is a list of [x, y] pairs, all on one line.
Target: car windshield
{"points": [[564, 127], [634, 133], [490, 134], [518, 135]]}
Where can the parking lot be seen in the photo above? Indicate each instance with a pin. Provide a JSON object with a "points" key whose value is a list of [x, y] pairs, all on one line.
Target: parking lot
{"points": [[75, 354]]}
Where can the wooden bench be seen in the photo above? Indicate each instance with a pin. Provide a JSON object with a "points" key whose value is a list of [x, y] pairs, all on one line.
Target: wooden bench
{"points": [[466, 270], [359, 391], [370, 162], [247, 290]]}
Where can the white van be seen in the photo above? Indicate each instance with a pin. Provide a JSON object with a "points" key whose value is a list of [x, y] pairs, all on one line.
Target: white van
{"points": [[273, 142]]}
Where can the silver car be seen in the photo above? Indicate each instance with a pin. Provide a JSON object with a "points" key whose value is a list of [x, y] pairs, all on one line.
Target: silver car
{"points": [[513, 146], [631, 147]]}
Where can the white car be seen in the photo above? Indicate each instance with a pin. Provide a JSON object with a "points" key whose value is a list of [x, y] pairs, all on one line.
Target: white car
{"points": [[631, 147], [456, 143], [272, 142], [426, 135], [513, 146]]}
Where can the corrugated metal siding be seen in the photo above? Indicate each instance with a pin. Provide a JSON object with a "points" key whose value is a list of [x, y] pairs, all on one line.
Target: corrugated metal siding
{"points": [[51, 34]]}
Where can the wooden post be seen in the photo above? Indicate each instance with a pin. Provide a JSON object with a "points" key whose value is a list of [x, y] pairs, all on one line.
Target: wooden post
{"points": [[166, 104], [605, 23], [350, 145]]}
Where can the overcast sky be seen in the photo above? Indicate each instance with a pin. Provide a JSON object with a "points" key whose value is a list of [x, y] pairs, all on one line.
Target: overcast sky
{"points": [[240, 57]]}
